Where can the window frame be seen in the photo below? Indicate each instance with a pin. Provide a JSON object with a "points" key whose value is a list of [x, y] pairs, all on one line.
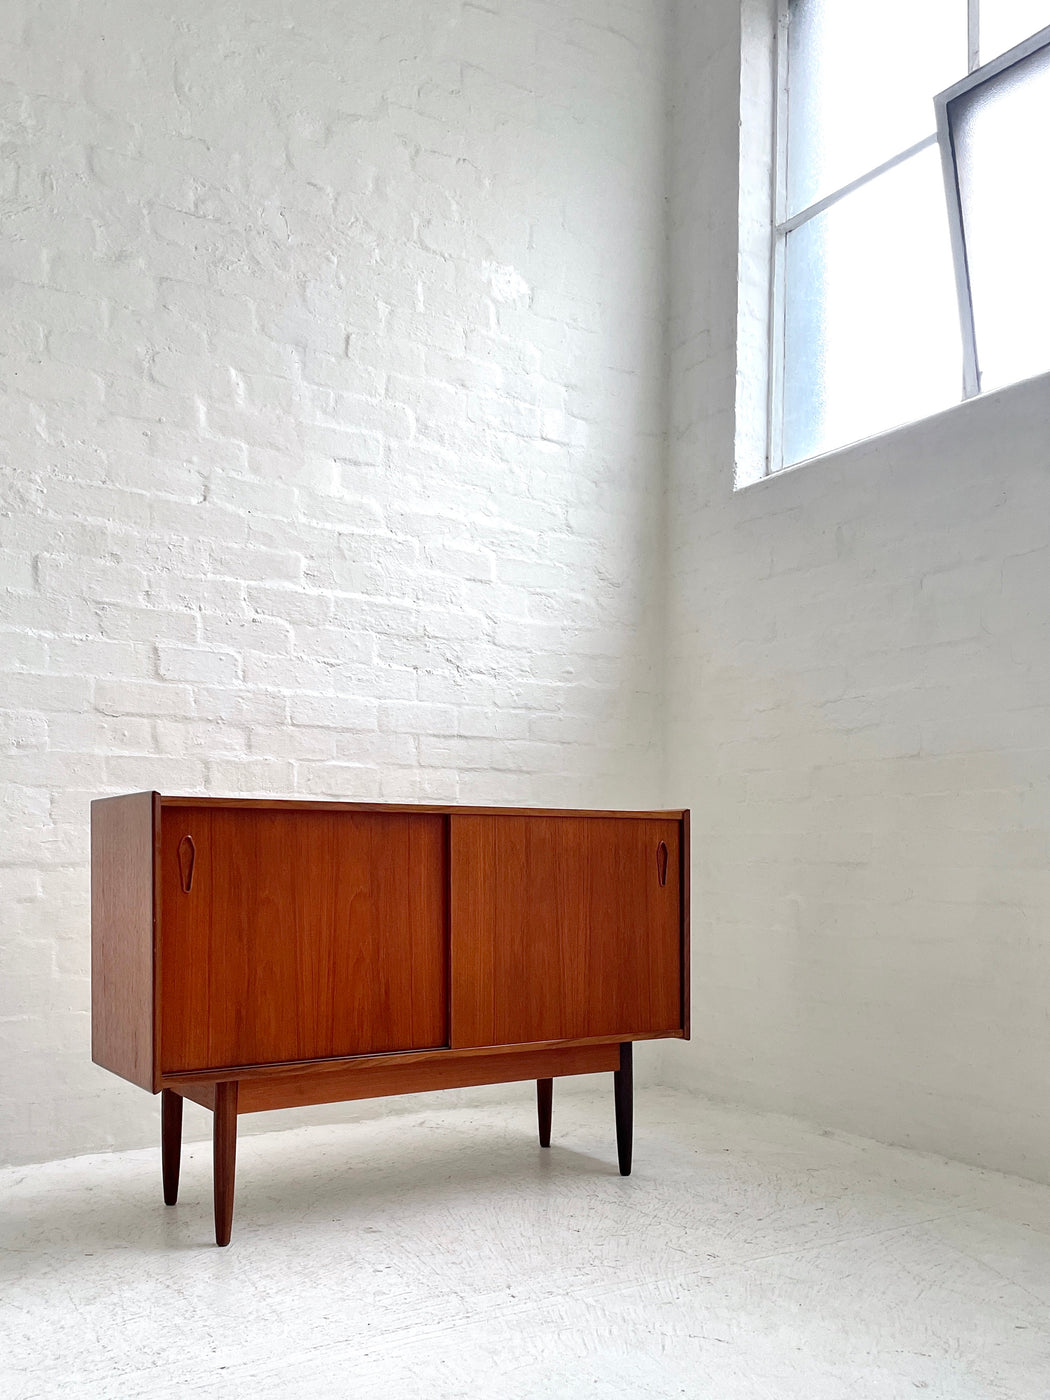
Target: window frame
{"points": [[783, 225], [976, 77]]}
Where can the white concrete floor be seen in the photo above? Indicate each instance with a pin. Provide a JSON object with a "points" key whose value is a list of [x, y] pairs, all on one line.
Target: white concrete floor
{"points": [[441, 1253]]}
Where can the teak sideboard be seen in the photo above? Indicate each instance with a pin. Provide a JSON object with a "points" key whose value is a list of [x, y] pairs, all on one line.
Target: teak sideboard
{"points": [[252, 954]]}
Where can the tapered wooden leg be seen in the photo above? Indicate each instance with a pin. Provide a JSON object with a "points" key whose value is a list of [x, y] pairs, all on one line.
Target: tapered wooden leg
{"points": [[623, 1092], [544, 1100], [224, 1157], [170, 1143]]}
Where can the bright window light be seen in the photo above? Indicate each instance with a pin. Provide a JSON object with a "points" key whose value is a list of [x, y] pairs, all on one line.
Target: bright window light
{"points": [[891, 300], [870, 322], [860, 92], [998, 129], [1004, 23]]}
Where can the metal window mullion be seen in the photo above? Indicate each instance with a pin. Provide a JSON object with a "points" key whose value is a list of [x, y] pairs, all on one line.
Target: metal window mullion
{"points": [[803, 216], [949, 164], [971, 368], [775, 415], [778, 322], [973, 34]]}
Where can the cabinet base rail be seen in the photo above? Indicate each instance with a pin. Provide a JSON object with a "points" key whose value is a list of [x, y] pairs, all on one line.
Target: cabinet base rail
{"points": [[227, 1100]]}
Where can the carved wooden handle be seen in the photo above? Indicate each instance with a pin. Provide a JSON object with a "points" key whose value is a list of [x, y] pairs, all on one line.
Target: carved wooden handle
{"points": [[661, 862], [187, 856]]}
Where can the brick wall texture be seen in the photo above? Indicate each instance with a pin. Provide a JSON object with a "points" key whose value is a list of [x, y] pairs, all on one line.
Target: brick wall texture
{"points": [[858, 712], [332, 433], [372, 381]]}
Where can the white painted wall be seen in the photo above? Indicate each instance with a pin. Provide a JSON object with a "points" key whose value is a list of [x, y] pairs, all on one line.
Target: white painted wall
{"points": [[332, 355], [333, 432], [859, 712]]}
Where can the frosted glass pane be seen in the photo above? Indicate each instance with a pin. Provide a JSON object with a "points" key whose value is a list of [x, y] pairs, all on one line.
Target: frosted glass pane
{"points": [[861, 82], [1000, 131], [871, 327], [1005, 23]]}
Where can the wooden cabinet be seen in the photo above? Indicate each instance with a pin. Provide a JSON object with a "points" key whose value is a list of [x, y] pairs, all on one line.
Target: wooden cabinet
{"points": [[254, 954], [300, 935], [564, 928]]}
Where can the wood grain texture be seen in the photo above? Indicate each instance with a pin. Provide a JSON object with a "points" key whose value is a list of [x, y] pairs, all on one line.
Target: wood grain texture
{"points": [[305, 935], [224, 1158], [560, 929], [407, 1057], [122, 919], [623, 1096], [544, 1109], [170, 1143], [379, 1076], [297, 804], [198, 1091]]}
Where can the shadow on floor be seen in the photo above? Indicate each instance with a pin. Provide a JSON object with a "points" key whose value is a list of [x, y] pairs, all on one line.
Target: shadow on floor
{"points": [[344, 1178]]}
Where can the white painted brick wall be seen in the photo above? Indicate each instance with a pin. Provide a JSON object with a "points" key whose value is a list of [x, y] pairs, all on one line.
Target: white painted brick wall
{"points": [[332, 436], [859, 716]]}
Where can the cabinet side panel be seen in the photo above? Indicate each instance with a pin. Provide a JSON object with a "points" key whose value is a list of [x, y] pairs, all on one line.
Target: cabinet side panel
{"points": [[122, 936]]}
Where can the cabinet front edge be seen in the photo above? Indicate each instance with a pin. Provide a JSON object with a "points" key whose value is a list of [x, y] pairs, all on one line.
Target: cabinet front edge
{"points": [[405, 1057], [295, 804]]}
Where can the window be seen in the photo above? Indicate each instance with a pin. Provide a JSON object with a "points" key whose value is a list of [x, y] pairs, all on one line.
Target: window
{"points": [[911, 213]]}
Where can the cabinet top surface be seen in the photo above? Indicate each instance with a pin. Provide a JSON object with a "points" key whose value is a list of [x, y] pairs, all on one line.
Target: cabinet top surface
{"points": [[440, 809]]}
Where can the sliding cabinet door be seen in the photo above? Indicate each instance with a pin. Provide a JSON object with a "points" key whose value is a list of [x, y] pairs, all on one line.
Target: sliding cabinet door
{"points": [[564, 928], [300, 935]]}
